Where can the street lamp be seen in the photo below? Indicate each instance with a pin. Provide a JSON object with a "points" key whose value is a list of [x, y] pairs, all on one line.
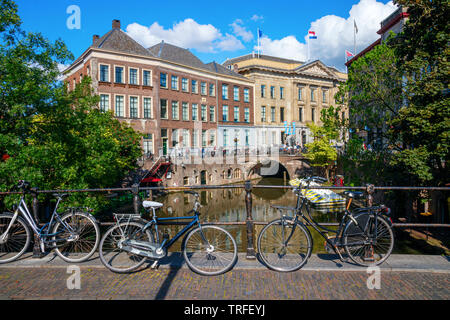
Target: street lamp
{"points": [[235, 145]]}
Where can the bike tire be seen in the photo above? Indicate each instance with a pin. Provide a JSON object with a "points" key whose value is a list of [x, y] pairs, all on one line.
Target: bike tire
{"points": [[353, 236], [87, 231], [19, 238], [275, 254], [205, 260], [110, 253]]}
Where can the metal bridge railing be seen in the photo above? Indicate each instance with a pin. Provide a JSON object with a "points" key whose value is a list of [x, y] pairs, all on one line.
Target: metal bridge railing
{"points": [[248, 187]]}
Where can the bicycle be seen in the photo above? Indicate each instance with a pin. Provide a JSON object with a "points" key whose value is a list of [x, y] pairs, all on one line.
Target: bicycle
{"points": [[73, 235], [365, 234], [207, 249]]}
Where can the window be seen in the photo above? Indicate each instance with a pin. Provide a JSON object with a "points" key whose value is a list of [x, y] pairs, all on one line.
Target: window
{"points": [[195, 138], [281, 93], [148, 108], [203, 138], [119, 75], [104, 102], [313, 114], [312, 94], [175, 137], [225, 91], [203, 88], [133, 107], [203, 113], [104, 73], [212, 90], [212, 114], [236, 93], [184, 84], [194, 86], [175, 110], [163, 109], [119, 106], [174, 85], [272, 92], [212, 138], [263, 91], [163, 80], [272, 114], [281, 114], [236, 114], [246, 114], [225, 113], [185, 111], [246, 95], [185, 142], [133, 76], [263, 114], [185, 181], [324, 96], [147, 78], [225, 137], [300, 114], [194, 112], [300, 94], [148, 143]]}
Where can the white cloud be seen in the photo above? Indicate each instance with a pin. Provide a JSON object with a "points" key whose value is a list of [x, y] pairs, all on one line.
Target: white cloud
{"points": [[255, 17], [186, 34], [334, 35], [240, 30]]}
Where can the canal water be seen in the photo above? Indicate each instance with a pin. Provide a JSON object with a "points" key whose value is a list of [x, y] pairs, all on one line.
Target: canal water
{"points": [[228, 205]]}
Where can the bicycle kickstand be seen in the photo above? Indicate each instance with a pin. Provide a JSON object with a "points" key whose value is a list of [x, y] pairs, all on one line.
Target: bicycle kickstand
{"points": [[155, 265]]}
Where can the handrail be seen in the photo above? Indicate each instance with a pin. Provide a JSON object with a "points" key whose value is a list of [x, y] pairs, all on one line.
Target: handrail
{"points": [[370, 189]]}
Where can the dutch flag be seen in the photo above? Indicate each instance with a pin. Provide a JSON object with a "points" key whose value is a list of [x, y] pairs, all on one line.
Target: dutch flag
{"points": [[312, 35]]}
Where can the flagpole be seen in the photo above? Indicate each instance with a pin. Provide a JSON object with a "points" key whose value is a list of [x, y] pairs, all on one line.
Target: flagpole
{"points": [[257, 31], [309, 53], [354, 36]]}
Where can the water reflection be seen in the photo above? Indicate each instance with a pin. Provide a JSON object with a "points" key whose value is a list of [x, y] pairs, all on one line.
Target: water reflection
{"points": [[228, 205]]}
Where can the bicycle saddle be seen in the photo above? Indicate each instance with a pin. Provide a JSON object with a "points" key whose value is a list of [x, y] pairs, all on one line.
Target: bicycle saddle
{"points": [[354, 194], [152, 204], [60, 195]]}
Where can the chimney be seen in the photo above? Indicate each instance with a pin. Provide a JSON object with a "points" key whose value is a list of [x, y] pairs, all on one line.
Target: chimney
{"points": [[116, 24], [95, 37]]}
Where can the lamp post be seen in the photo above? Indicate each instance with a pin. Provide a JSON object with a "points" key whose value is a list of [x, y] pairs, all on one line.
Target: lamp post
{"points": [[235, 145]]}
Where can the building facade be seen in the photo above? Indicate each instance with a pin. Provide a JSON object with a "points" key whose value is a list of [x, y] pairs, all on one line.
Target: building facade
{"points": [[288, 95], [164, 92]]}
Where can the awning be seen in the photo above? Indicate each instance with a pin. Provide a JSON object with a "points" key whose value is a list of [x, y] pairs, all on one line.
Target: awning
{"points": [[151, 179]]}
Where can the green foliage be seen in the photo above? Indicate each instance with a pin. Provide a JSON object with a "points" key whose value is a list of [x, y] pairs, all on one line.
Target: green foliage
{"points": [[55, 139]]}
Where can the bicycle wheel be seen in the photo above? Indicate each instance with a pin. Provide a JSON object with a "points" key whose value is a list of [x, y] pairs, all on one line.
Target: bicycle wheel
{"points": [[279, 255], [116, 259], [371, 243], [79, 239], [215, 256], [16, 241]]}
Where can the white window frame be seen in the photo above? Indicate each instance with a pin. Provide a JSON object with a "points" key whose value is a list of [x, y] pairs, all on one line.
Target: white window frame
{"points": [[167, 80], [137, 76], [151, 77], [124, 105], [182, 114], [109, 101], [187, 87], [109, 71], [177, 82], [129, 106], [123, 74], [151, 107]]}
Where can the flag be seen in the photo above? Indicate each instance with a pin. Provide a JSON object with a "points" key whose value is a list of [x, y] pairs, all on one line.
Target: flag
{"points": [[349, 54], [356, 28], [259, 33], [312, 35]]}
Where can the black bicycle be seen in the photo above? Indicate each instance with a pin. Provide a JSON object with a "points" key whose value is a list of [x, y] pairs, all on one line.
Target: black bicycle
{"points": [[364, 234], [207, 249], [73, 235]]}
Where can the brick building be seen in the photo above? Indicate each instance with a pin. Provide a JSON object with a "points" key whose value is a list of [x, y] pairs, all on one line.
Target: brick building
{"points": [[165, 92]]}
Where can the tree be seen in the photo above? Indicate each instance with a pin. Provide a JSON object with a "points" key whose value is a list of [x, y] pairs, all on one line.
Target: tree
{"points": [[423, 121], [55, 139]]}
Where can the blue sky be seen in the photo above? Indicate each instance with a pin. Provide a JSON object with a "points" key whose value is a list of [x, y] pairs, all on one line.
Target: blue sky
{"points": [[216, 30]]}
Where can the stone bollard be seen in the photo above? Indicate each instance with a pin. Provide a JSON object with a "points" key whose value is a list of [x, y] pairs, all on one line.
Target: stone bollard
{"points": [[249, 222], [37, 253], [370, 191], [136, 200]]}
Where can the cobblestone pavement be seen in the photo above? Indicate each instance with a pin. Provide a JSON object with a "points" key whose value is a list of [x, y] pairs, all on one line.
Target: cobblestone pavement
{"points": [[242, 284]]}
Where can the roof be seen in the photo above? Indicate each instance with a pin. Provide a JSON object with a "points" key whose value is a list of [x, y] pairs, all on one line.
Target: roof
{"points": [[218, 68], [261, 56], [176, 54], [117, 40]]}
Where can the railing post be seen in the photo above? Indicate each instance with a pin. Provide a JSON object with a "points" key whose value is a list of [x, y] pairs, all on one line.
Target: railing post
{"points": [[249, 222], [370, 190], [37, 253], [136, 200]]}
